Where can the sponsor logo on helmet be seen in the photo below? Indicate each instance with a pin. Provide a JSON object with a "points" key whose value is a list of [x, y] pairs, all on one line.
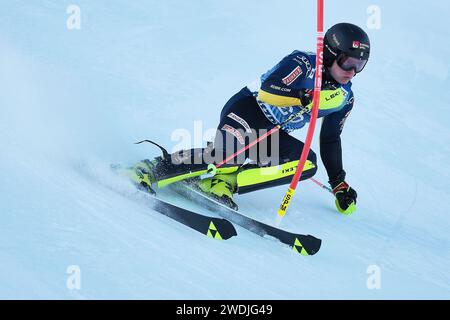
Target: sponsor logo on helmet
{"points": [[335, 39], [364, 46], [329, 49], [360, 45], [292, 76]]}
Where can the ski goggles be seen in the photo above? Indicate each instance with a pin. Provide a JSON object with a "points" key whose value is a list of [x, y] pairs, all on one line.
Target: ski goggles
{"points": [[347, 63]]}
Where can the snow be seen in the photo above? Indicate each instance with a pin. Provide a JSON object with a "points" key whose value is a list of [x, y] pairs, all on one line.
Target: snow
{"points": [[74, 101]]}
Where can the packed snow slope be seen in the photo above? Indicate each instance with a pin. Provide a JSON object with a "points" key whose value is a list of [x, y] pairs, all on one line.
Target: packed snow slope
{"points": [[74, 100]]}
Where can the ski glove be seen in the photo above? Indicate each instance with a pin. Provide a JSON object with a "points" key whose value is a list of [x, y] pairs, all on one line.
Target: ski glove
{"points": [[345, 197]]}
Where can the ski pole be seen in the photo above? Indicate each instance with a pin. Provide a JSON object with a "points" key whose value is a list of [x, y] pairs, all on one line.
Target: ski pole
{"points": [[322, 185], [314, 112], [213, 167]]}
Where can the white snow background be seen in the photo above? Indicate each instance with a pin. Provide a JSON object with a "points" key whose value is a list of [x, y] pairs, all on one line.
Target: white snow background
{"points": [[74, 101]]}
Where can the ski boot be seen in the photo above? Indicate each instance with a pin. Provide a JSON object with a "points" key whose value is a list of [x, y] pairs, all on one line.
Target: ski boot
{"points": [[221, 188], [142, 174]]}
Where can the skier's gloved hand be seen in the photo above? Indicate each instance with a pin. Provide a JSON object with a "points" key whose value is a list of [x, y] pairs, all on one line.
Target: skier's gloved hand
{"points": [[345, 197]]}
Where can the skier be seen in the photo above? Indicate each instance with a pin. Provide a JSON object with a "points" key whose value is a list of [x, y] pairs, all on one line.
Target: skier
{"points": [[281, 96]]}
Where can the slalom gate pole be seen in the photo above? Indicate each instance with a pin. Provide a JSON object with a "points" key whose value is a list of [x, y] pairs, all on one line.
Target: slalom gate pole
{"points": [[314, 112]]}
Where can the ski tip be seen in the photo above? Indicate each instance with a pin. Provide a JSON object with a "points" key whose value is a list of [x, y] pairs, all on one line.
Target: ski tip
{"points": [[221, 229], [165, 153], [307, 245]]}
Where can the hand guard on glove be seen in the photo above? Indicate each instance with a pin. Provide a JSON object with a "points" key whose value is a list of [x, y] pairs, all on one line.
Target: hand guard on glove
{"points": [[345, 197]]}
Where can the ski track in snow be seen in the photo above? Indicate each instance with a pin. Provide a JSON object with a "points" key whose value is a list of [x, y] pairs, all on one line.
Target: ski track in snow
{"points": [[73, 102]]}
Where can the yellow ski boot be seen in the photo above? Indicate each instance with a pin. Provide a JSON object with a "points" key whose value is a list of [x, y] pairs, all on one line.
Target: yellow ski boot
{"points": [[221, 188]]}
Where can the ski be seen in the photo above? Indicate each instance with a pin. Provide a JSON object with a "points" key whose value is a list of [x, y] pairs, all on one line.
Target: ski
{"points": [[302, 244], [213, 227], [217, 228]]}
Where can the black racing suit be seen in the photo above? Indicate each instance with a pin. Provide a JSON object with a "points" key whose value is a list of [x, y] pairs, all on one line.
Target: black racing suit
{"points": [[283, 91]]}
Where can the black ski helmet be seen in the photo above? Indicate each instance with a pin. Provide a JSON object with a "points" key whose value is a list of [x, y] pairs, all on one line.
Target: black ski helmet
{"points": [[345, 38]]}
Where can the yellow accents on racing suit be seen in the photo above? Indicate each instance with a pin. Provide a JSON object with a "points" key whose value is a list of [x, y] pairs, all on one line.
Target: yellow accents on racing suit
{"points": [[277, 100]]}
